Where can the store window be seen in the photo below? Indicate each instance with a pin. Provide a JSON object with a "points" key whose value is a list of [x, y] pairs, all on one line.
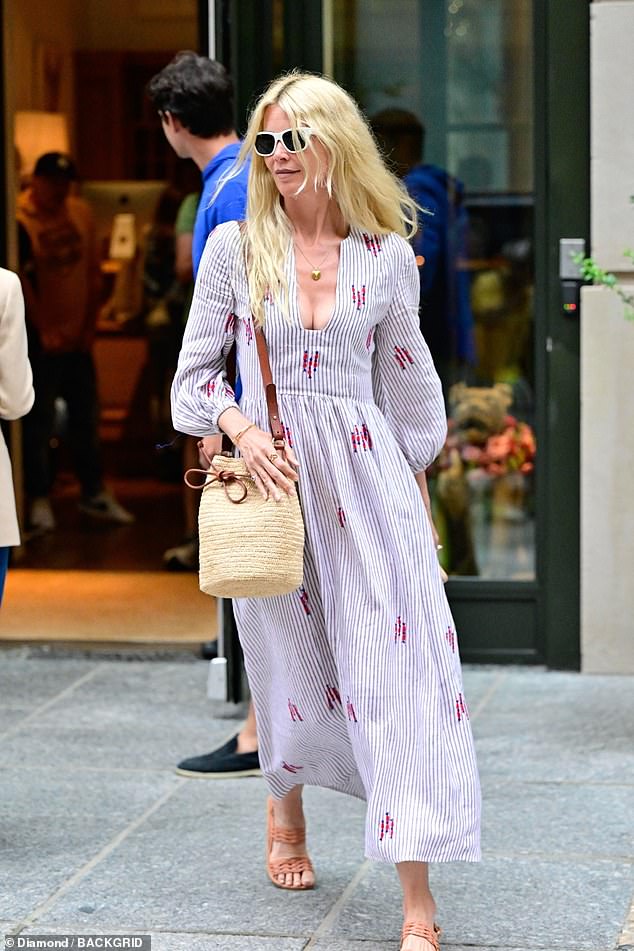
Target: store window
{"points": [[448, 90]]}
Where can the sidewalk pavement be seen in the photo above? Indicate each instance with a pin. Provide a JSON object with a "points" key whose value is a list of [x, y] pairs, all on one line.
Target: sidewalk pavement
{"points": [[98, 835]]}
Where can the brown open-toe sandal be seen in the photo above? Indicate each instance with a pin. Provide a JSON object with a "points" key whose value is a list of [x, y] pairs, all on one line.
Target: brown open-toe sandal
{"points": [[276, 867], [418, 929]]}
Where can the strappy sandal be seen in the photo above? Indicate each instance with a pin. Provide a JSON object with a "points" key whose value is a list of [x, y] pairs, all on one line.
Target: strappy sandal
{"points": [[418, 929], [299, 864]]}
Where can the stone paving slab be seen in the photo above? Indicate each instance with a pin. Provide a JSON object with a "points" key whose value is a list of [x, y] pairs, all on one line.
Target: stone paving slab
{"points": [[23, 678], [117, 746], [10, 716], [187, 941], [54, 823], [157, 683], [558, 727], [392, 945], [537, 904], [201, 856], [553, 819], [160, 716]]}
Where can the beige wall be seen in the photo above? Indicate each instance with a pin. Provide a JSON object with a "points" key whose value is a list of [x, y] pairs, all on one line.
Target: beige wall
{"points": [[612, 118], [607, 489], [607, 357]]}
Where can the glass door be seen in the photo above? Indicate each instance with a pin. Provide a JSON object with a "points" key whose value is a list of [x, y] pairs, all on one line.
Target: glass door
{"points": [[447, 89]]}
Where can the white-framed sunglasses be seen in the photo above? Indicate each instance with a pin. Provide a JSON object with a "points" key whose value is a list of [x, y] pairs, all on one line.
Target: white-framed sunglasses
{"points": [[293, 140]]}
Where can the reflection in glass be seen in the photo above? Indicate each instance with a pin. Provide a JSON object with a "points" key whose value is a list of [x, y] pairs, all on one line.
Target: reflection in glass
{"points": [[447, 88]]}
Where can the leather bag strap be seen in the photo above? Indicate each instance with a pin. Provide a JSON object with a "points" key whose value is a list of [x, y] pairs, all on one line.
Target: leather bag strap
{"points": [[267, 377], [269, 390]]}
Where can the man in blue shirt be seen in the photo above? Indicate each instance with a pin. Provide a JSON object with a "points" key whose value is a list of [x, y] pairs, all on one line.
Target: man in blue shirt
{"points": [[441, 241], [193, 96]]}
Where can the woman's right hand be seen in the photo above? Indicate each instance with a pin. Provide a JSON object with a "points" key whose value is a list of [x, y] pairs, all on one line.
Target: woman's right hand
{"points": [[274, 471]]}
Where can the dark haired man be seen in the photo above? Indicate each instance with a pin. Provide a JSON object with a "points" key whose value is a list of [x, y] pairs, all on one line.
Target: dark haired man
{"points": [[193, 96]]}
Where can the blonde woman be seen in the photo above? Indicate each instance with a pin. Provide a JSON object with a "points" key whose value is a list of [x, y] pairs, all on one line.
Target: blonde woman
{"points": [[16, 399], [355, 676]]}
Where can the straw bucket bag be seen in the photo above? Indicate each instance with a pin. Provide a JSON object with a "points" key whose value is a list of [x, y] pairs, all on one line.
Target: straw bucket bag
{"points": [[249, 547]]}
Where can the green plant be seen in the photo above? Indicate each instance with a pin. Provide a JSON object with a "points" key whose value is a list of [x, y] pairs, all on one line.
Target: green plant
{"points": [[591, 271]]}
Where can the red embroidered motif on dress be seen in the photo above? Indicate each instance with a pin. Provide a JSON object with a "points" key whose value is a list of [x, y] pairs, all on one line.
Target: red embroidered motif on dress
{"points": [[294, 712], [333, 697], [402, 356], [230, 324], [290, 768], [248, 329], [451, 639], [361, 437], [303, 597], [372, 243], [351, 712], [400, 630], [461, 708], [386, 827], [341, 515], [310, 364], [211, 388], [358, 297], [288, 436]]}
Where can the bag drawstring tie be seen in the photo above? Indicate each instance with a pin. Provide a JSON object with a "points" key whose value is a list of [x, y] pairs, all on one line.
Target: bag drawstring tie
{"points": [[224, 476]]}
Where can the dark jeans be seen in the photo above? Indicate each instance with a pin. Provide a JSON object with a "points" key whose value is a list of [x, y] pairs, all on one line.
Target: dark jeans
{"points": [[4, 562], [72, 377]]}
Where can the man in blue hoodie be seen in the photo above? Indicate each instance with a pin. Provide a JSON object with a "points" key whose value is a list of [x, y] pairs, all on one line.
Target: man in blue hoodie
{"points": [[445, 311]]}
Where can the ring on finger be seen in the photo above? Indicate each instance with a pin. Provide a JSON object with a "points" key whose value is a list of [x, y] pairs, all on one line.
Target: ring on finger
{"points": [[273, 456]]}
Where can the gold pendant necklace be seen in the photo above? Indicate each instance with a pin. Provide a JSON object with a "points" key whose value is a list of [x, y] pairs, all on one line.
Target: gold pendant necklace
{"points": [[316, 271]]}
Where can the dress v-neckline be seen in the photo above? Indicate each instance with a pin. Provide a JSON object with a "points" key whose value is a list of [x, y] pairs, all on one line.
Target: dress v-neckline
{"points": [[295, 295]]}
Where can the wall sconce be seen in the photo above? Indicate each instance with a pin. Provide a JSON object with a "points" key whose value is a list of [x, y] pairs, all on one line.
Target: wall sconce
{"points": [[37, 133]]}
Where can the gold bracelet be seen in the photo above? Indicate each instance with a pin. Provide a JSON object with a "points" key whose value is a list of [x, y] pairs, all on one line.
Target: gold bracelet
{"points": [[238, 436]]}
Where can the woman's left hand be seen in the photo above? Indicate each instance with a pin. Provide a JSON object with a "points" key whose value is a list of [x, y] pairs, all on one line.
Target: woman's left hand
{"points": [[274, 472]]}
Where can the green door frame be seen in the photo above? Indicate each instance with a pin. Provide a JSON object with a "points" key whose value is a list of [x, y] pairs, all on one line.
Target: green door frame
{"points": [[245, 25], [523, 622], [563, 89]]}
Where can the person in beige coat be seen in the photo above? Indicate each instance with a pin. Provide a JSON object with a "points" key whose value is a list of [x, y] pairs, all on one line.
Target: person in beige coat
{"points": [[16, 399]]}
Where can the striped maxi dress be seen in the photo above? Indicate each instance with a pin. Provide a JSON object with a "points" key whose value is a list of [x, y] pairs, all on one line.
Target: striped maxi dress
{"points": [[356, 675]]}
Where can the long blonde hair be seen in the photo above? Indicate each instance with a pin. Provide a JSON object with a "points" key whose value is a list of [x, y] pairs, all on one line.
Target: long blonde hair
{"points": [[368, 195]]}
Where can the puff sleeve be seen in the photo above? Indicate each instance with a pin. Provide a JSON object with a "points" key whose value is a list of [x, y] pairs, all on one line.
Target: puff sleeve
{"points": [[406, 387], [200, 392]]}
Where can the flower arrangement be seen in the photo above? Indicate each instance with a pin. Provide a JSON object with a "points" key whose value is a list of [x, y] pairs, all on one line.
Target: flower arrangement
{"points": [[511, 450]]}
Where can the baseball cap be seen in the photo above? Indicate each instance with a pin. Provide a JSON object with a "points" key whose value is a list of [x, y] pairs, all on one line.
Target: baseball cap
{"points": [[55, 164]]}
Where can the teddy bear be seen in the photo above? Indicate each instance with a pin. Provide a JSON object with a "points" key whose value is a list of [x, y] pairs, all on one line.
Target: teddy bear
{"points": [[475, 414]]}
